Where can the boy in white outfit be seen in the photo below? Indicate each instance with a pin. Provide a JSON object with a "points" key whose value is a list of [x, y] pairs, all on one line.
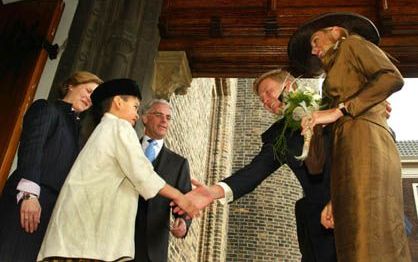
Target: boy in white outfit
{"points": [[94, 217]]}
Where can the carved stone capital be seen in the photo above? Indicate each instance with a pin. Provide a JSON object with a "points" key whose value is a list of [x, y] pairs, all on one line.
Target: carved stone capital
{"points": [[171, 74]]}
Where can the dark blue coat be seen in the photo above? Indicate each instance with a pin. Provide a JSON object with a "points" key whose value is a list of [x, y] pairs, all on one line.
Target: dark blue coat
{"points": [[49, 145]]}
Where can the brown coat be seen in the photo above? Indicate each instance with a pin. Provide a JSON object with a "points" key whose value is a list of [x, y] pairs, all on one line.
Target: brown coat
{"points": [[366, 174]]}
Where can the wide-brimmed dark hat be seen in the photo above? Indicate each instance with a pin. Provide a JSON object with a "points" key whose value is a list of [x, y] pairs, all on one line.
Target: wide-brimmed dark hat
{"points": [[299, 46], [115, 87]]}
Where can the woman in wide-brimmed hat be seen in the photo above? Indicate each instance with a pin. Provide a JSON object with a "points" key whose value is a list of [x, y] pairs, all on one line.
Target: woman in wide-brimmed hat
{"points": [[366, 191]]}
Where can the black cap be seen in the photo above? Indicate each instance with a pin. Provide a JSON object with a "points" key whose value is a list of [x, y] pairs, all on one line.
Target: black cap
{"points": [[299, 46], [115, 87]]}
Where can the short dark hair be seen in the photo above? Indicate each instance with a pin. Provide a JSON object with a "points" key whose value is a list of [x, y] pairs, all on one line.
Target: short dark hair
{"points": [[105, 106]]}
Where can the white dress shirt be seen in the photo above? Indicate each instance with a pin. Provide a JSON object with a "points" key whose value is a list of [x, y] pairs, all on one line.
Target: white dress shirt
{"points": [[157, 146]]}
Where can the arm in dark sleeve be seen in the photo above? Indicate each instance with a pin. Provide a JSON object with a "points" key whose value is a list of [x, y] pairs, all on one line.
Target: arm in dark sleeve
{"points": [[36, 126], [249, 177]]}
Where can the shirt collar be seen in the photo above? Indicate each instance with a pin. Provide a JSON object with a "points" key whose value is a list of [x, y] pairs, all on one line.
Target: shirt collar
{"points": [[145, 143], [331, 54], [68, 108]]}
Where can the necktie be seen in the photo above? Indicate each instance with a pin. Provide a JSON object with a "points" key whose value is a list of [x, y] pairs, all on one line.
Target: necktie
{"points": [[150, 150]]}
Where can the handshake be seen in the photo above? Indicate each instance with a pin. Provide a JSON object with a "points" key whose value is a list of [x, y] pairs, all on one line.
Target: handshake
{"points": [[200, 197]]}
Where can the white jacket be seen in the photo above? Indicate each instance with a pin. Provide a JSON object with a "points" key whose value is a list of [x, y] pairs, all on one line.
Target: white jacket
{"points": [[94, 216]]}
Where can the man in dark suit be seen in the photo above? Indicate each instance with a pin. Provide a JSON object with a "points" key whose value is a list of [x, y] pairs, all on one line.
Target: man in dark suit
{"points": [[153, 217], [315, 242]]}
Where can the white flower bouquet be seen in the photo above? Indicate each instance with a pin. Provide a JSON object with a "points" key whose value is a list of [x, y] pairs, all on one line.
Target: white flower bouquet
{"points": [[299, 103]]}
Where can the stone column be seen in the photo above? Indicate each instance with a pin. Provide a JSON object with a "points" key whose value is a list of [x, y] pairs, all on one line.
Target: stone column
{"points": [[113, 39], [171, 74], [214, 229]]}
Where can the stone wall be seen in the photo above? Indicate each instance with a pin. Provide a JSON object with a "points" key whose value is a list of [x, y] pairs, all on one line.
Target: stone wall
{"points": [[214, 228], [202, 131], [189, 136]]}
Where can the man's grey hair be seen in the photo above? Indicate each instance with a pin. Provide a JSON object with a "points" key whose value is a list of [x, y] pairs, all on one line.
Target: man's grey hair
{"points": [[147, 106]]}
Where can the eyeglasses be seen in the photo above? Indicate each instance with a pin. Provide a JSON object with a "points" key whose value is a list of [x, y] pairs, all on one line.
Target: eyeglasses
{"points": [[161, 115]]}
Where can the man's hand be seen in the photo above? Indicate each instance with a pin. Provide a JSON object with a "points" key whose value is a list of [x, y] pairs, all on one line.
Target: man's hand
{"points": [[178, 228], [30, 214], [327, 218]]}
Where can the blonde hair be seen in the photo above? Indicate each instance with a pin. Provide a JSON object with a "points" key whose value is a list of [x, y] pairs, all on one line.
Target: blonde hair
{"points": [[78, 78], [278, 75], [342, 32]]}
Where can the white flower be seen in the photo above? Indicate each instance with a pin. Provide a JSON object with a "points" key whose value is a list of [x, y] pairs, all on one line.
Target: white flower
{"points": [[299, 103], [316, 97], [303, 105]]}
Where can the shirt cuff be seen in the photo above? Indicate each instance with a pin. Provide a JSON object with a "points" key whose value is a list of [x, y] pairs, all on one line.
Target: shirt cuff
{"points": [[229, 195], [27, 186]]}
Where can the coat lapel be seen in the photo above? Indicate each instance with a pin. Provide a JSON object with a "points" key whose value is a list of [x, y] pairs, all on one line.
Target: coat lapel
{"points": [[161, 163]]}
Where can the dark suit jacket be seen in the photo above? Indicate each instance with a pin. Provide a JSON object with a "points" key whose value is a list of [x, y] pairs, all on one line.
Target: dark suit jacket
{"points": [[245, 180], [315, 243], [49, 145], [152, 222], [47, 150]]}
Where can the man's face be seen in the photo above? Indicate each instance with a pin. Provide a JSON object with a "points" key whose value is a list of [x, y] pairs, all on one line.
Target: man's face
{"points": [[269, 91], [157, 121]]}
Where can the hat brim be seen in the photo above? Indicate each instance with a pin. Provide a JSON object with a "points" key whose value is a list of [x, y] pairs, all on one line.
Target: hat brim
{"points": [[115, 87], [299, 46]]}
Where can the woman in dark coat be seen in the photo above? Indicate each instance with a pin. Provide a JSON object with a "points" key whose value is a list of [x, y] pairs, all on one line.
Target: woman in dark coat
{"points": [[366, 192], [49, 144]]}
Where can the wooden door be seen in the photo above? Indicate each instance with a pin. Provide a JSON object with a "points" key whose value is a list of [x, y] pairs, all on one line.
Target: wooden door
{"points": [[24, 26]]}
